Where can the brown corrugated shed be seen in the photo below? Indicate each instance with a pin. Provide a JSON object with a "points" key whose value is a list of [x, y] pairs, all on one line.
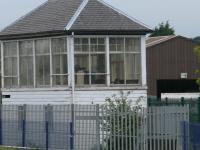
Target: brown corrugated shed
{"points": [[167, 58]]}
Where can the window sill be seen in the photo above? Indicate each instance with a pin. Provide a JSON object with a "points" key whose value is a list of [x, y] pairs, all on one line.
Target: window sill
{"points": [[94, 88]]}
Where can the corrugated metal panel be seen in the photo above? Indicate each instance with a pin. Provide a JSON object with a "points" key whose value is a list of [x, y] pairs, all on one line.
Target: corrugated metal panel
{"points": [[169, 59]]}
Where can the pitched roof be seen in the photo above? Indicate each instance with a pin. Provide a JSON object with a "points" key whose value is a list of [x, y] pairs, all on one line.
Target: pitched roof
{"points": [[151, 41], [56, 15], [50, 16], [98, 15]]}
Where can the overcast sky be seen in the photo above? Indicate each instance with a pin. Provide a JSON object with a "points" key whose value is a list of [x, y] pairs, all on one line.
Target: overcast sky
{"points": [[183, 15]]}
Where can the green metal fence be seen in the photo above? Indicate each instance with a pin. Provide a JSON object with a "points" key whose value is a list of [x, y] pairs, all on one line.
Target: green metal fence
{"points": [[194, 105]]}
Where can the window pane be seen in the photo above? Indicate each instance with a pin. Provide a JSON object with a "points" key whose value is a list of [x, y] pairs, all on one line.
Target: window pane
{"points": [[42, 62], [81, 80], [60, 80], [43, 70], [97, 44], [91, 63], [10, 66], [26, 48], [10, 58], [59, 61], [59, 45], [132, 68], [117, 44], [137, 45], [117, 68], [98, 79], [26, 63], [10, 49], [98, 63], [26, 71], [42, 46], [10, 82], [81, 44], [81, 63], [132, 44], [60, 64]]}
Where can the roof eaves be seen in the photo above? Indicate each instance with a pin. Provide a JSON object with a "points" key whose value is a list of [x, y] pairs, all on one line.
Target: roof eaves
{"points": [[122, 13], [76, 14]]}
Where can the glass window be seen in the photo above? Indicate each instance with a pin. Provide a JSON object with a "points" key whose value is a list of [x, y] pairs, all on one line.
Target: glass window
{"points": [[90, 61], [10, 64], [117, 68], [42, 62], [125, 60], [59, 61], [26, 63]]}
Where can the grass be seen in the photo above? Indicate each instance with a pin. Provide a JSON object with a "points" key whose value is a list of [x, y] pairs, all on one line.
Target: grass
{"points": [[7, 148]]}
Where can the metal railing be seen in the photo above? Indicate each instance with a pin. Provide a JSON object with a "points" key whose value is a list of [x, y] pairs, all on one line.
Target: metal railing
{"points": [[92, 127], [194, 105]]}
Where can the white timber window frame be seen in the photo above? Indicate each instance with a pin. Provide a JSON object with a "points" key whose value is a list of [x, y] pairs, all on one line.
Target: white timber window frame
{"points": [[70, 53], [121, 53], [91, 49], [10, 72], [34, 62], [61, 73]]}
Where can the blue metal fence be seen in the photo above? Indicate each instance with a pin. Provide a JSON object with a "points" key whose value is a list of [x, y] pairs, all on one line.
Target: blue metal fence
{"points": [[191, 136]]}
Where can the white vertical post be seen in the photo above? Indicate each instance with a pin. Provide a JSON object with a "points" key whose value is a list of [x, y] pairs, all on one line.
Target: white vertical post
{"points": [[2, 65], [34, 64], [107, 61], [51, 64], [71, 65], [18, 66], [143, 61], [69, 61]]}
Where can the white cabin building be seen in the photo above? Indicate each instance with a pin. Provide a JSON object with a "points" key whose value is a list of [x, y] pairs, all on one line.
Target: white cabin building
{"points": [[73, 51]]}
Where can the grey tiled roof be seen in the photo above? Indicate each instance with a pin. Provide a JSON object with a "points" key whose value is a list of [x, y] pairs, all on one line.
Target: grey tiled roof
{"points": [[97, 16], [51, 16], [54, 15]]}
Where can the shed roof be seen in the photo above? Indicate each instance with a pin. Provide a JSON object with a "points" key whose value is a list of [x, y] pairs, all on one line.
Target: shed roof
{"points": [[151, 41], [70, 15]]}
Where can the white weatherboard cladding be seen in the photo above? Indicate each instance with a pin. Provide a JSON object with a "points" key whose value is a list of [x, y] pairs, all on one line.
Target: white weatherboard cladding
{"points": [[64, 96]]}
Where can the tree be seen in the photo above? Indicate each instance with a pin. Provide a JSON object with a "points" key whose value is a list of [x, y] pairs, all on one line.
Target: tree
{"points": [[197, 39], [163, 29], [122, 121], [197, 51]]}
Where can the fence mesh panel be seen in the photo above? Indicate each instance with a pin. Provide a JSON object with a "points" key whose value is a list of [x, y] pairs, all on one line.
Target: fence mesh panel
{"points": [[92, 127]]}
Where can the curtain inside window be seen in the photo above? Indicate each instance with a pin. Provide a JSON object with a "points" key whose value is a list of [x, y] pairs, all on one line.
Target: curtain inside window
{"points": [[26, 63], [42, 62], [59, 61], [10, 64]]}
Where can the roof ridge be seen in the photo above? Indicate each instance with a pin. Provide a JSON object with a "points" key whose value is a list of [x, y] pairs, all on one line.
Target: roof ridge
{"points": [[20, 18], [123, 13], [76, 14]]}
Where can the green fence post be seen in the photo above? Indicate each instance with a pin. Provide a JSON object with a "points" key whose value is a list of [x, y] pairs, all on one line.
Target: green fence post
{"points": [[199, 109], [166, 101], [149, 102], [182, 101]]}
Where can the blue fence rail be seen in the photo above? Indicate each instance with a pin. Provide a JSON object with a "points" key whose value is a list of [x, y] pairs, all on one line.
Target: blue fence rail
{"points": [[191, 136], [36, 127]]}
